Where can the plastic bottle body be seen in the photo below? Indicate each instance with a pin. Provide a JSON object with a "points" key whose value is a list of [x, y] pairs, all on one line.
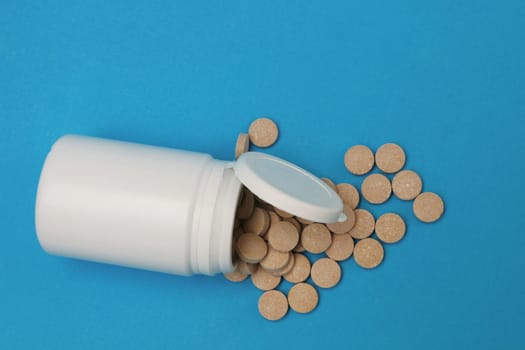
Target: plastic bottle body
{"points": [[134, 205]]}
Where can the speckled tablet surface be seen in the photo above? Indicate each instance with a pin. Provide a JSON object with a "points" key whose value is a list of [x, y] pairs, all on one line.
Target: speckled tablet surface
{"points": [[390, 158], [251, 248], [407, 185], [390, 228], [341, 248], [359, 159], [428, 207], [368, 253], [376, 188], [349, 194], [273, 305], [364, 224], [303, 298], [326, 273], [300, 270], [263, 132], [316, 238]]}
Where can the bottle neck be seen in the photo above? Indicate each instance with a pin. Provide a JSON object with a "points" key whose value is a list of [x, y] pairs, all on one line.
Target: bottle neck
{"points": [[213, 220]]}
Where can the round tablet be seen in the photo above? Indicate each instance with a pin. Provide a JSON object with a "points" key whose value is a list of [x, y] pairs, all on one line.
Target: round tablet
{"points": [[287, 268], [246, 268], [368, 253], [273, 305], [242, 145], [341, 248], [390, 228], [329, 183], [303, 298], [390, 158], [349, 194], [359, 160], [264, 280], [274, 260], [300, 270], [263, 132], [376, 188], [258, 222], [316, 238], [344, 226], [364, 224], [326, 273], [283, 236], [407, 185], [236, 276], [251, 248], [428, 207], [245, 209]]}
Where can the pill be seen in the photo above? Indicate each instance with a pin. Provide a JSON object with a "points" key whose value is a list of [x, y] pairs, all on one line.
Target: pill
{"points": [[316, 238], [287, 268], [283, 214], [296, 223], [283, 236], [359, 159], [326, 273], [242, 145], [407, 185], [246, 268], [264, 280], [273, 305], [303, 298], [258, 222], [343, 226], [376, 188], [364, 224], [368, 253], [428, 207], [390, 158], [329, 183], [251, 248], [236, 276], [274, 260], [349, 194], [390, 228], [300, 270], [341, 248], [263, 132], [246, 206]]}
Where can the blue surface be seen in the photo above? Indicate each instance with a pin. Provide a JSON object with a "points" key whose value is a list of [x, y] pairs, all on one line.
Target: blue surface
{"points": [[444, 79]]}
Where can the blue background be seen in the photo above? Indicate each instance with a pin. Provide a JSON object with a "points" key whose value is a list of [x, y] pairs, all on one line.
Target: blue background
{"points": [[445, 79]]}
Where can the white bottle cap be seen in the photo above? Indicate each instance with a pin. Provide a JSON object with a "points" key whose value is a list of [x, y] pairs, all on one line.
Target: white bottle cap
{"points": [[289, 187]]}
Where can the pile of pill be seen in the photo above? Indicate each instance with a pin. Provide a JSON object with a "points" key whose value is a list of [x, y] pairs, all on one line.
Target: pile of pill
{"points": [[270, 244]]}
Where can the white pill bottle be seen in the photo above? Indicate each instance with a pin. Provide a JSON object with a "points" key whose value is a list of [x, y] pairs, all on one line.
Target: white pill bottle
{"points": [[161, 209]]}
